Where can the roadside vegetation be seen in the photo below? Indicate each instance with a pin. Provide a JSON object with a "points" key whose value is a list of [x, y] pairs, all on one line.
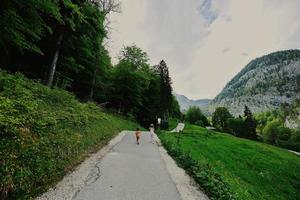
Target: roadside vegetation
{"points": [[45, 133], [228, 167]]}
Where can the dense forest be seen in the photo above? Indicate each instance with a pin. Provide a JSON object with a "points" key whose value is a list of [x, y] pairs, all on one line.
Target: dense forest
{"points": [[61, 44], [60, 95]]}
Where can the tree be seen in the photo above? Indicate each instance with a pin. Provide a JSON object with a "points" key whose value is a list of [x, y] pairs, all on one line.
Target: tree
{"points": [[71, 15], [250, 124], [23, 23], [236, 126], [195, 116], [108, 6], [220, 119], [166, 96], [135, 56], [175, 108], [82, 53], [149, 108], [128, 87], [130, 80]]}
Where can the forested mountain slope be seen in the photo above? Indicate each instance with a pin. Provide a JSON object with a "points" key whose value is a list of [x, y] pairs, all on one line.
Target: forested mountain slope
{"points": [[265, 83]]}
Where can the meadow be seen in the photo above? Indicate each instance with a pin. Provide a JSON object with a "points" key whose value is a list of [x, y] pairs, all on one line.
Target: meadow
{"points": [[227, 167]]}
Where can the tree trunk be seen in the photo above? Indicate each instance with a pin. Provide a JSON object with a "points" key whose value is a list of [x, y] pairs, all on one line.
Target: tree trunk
{"points": [[54, 61], [93, 85]]}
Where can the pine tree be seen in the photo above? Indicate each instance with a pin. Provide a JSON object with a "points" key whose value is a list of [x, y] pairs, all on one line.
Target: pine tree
{"points": [[165, 89], [250, 124]]}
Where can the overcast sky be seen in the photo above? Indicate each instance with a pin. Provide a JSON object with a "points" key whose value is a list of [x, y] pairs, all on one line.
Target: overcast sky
{"points": [[205, 42]]}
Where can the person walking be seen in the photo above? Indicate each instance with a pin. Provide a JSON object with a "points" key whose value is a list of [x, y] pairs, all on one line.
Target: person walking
{"points": [[137, 135], [151, 129]]}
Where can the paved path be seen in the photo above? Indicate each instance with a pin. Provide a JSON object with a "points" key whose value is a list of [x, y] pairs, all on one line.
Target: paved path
{"points": [[295, 152], [179, 127], [130, 172]]}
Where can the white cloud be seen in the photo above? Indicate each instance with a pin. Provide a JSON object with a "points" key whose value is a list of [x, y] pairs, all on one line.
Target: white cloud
{"points": [[206, 42]]}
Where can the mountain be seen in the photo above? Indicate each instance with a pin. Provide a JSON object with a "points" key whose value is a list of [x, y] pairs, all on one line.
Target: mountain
{"points": [[185, 102], [265, 83]]}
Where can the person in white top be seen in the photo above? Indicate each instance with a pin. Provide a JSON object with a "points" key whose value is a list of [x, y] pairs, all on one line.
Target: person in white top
{"points": [[152, 133]]}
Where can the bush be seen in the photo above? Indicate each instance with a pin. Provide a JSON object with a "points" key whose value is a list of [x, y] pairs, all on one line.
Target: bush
{"points": [[195, 116], [270, 132], [294, 141], [275, 133]]}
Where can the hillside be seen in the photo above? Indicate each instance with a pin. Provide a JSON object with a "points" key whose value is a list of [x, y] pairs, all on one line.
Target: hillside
{"points": [[227, 167], [185, 102], [265, 83], [45, 133]]}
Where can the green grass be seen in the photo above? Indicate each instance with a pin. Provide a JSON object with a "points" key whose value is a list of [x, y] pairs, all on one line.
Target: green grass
{"points": [[173, 123], [44, 133], [251, 169]]}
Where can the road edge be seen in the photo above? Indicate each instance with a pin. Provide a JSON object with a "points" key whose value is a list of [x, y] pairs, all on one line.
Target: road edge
{"points": [[72, 183], [186, 186]]}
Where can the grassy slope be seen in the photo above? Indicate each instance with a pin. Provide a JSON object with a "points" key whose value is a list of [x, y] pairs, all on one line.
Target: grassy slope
{"points": [[253, 170], [173, 123], [44, 133]]}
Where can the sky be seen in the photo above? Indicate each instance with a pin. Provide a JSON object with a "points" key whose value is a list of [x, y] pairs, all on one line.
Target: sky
{"points": [[205, 43]]}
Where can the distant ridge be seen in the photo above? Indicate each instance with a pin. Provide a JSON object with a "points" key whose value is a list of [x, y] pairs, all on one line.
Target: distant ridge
{"points": [[185, 102]]}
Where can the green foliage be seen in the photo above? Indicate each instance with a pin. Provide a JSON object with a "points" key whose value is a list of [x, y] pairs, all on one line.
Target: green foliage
{"points": [[220, 119], [203, 173], [271, 127], [175, 108], [166, 96], [135, 56], [237, 126], [140, 90], [195, 116], [24, 23], [250, 124], [173, 122], [45, 133], [270, 132], [73, 32], [242, 168]]}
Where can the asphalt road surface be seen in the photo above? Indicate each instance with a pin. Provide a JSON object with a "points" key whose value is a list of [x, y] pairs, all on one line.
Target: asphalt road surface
{"points": [[130, 172]]}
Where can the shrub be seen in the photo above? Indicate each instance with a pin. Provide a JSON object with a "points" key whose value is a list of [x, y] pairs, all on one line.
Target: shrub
{"points": [[270, 132], [294, 141], [194, 116]]}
